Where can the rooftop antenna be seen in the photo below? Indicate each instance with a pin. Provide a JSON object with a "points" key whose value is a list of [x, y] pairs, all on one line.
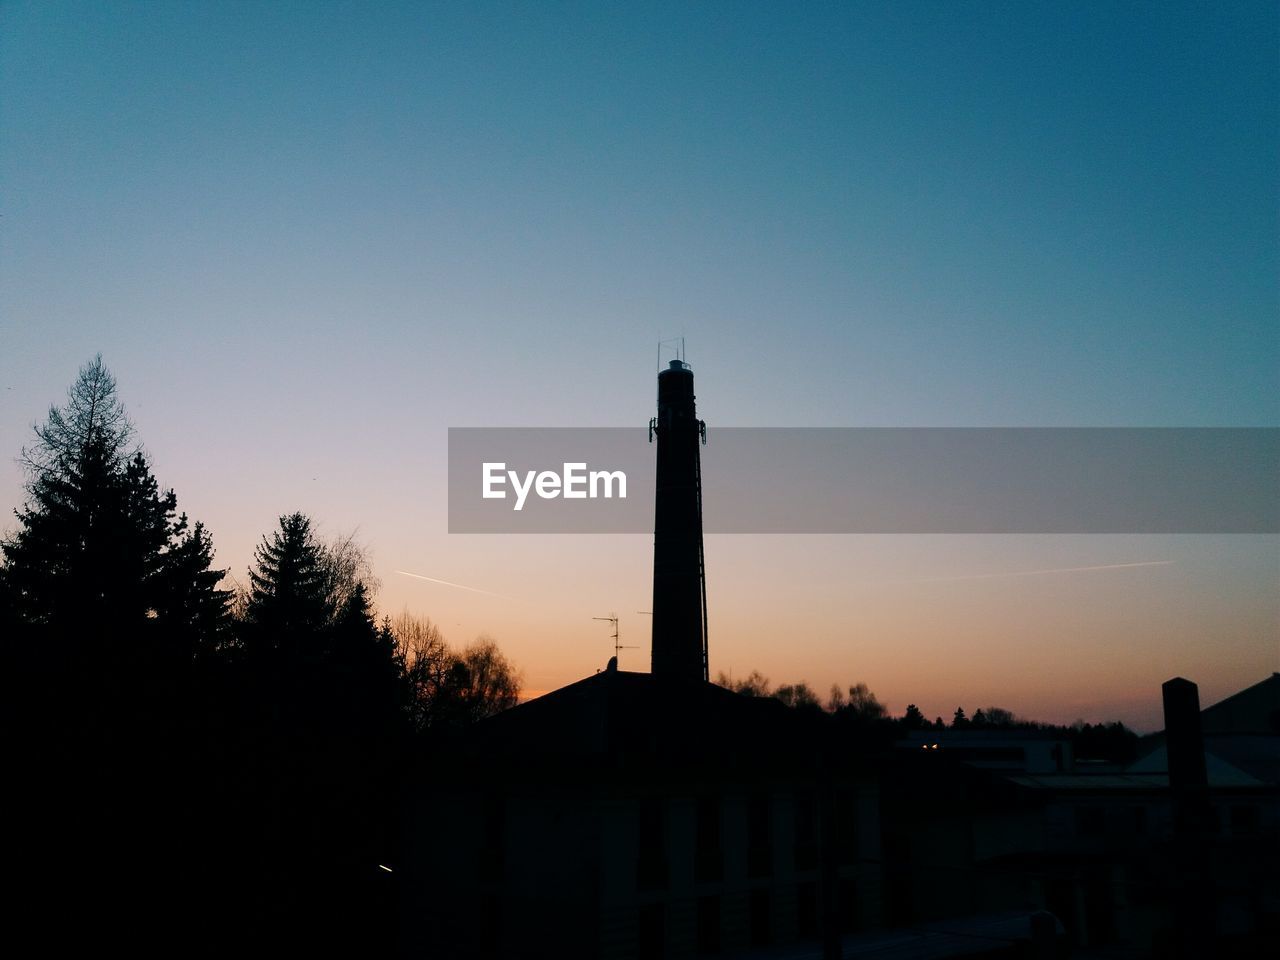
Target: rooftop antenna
{"points": [[675, 344], [617, 645]]}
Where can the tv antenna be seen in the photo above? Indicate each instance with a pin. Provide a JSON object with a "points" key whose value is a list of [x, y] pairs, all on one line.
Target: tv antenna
{"points": [[617, 645]]}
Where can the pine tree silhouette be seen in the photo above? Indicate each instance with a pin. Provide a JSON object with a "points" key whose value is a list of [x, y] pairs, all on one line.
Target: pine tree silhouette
{"points": [[913, 719], [99, 558], [109, 594], [288, 590], [194, 611]]}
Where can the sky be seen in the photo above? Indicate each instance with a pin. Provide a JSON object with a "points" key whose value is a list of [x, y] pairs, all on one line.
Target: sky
{"points": [[308, 238]]}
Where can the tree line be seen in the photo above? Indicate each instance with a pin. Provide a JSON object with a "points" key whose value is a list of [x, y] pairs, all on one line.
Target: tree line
{"points": [[197, 760], [857, 704]]}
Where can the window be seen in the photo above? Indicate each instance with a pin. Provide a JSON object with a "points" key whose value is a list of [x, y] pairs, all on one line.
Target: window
{"points": [[807, 910], [759, 913], [847, 826], [708, 925], [806, 831], [707, 865], [493, 843], [651, 840], [652, 932], [849, 919], [488, 924], [759, 840]]}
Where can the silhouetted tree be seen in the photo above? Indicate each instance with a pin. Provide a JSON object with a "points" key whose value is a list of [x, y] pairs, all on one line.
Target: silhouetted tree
{"points": [[98, 556], [1000, 717], [346, 566], [290, 589], [69, 563], [366, 653], [798, 695], [755, 684], [426, 660], [979, 718], [93, 423], [1113, 742], [835, 699], [111, 594], [446, 688], [863, 703], [958, 719], [193, 610], [327, 693], [913, 719], [487, 681]]}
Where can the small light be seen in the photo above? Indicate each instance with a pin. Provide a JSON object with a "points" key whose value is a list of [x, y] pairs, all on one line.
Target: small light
{"points": [[383, 866]]}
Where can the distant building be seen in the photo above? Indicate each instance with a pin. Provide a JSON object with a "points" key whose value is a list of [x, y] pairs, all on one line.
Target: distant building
{"points": [[994, 819]]}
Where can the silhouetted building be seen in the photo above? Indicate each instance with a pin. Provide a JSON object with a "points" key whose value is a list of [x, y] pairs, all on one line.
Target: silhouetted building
{"points": [[976, 821], [646, 815], [633, 815], [636, 815], [679, 581]]}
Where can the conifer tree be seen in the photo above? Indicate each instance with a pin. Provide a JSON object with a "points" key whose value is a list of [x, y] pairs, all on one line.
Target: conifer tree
{"points": [[62, 567], [107, 590], [98, 556], [288, 603], [913, 719], [194, 610]]}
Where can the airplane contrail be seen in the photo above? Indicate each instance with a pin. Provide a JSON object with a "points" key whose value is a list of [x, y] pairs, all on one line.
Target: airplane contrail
{"points": [[1033, 573], [447, 583]]}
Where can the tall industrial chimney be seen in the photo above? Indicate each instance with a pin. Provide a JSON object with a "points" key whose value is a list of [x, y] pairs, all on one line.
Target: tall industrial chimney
{"points": [[679, 583]]}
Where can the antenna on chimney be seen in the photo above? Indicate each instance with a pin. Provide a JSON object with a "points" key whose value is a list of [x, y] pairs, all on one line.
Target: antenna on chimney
{"points": [[675, 345]]}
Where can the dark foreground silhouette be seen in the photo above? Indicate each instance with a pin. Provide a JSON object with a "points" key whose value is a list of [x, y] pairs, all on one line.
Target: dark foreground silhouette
{"points": [[199, 770]]}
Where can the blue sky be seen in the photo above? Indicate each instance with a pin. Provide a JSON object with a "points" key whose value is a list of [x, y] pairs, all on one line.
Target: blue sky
{"points": [[310, 237]]}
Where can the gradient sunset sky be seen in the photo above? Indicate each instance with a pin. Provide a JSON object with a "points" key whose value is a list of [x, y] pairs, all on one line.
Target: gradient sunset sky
{"points": [[310, 237]]}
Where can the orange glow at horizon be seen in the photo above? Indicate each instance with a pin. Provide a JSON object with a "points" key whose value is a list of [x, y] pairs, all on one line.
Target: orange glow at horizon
{"points": [[1090, 634]]}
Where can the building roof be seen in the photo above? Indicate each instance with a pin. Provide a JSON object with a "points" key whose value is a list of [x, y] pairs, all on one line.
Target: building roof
{"points": [[617, 714], [1255, 709], [1230, 761]]}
